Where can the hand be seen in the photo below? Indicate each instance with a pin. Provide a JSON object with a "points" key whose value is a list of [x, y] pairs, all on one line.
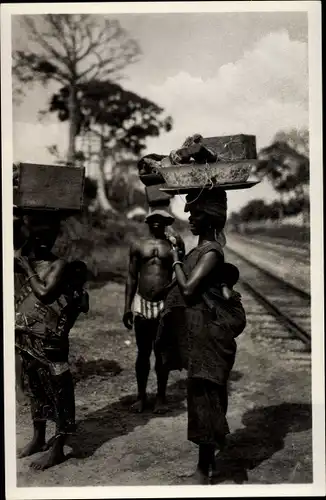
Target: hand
{"points": [[176, 253], [226, 292], [171, 239], [128, 319], [22, 262]]}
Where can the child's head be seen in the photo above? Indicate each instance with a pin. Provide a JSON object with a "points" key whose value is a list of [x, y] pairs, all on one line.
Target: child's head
{"points": [[76, 274], [230, 275]]}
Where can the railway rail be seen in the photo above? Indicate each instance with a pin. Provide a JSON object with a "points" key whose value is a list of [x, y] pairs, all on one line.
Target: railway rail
{"points": [[300, 254], [288, 304]]}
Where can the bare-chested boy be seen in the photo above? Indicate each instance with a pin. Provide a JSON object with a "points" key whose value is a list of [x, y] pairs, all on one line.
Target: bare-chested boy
{"points": [[150, 273]]}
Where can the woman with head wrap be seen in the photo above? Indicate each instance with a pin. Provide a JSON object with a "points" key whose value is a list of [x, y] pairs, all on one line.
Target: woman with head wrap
{"points": [[49, 297], [200, 323]]}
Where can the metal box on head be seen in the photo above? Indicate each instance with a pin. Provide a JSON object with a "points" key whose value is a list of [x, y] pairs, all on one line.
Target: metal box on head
{"points": [[211, 162], [208, 163], [232, 147]]}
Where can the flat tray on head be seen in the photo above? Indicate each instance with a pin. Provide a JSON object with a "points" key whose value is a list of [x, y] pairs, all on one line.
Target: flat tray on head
{"points": [[227, 187]]}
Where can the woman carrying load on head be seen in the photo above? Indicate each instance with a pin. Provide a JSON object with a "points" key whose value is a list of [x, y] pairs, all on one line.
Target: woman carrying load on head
{"points": [[49, 296], [199, 325]]}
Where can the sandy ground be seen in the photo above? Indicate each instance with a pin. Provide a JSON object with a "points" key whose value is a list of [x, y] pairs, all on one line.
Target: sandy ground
{"points": [[269, 412]]}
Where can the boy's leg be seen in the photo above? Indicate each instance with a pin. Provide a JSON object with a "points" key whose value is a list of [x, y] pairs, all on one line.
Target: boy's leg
{"points": [[144, 343]]}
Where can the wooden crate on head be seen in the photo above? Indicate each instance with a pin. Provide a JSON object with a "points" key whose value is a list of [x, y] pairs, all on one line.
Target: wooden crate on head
{"points": [[44, 191], [49, 188]]}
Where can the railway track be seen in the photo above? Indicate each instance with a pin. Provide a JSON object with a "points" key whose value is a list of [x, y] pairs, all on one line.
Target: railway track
{"points": [[288, 304], [300, 254]]}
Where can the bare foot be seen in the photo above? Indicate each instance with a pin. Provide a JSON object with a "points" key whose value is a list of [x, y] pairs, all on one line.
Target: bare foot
{"points": [[200, 477], [48, 459], [49, 443], [139, 406], [197, 477], [34, 446], [161, 407]]}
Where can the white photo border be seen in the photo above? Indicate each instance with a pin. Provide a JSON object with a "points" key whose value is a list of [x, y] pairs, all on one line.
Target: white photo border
{"points": [[317, 488]]}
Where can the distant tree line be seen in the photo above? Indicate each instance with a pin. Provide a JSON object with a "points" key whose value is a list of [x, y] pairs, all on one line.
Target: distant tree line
{"points": [[285, 165], [259, 210]]}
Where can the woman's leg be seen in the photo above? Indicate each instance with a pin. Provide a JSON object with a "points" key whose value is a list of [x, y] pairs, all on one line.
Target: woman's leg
{"points": [[64, 404], [207, 425], [37, 442], [206, 458]]}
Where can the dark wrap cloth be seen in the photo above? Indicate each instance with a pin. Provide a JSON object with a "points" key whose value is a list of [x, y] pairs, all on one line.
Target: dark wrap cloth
{"points": [[201, 337], [42, 340]]}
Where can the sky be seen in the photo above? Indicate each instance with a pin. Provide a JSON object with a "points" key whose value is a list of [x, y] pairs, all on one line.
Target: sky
{"points": [[215, 74]]}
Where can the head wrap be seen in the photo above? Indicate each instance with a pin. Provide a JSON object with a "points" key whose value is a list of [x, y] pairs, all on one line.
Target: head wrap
{"points": [[213, 203]]}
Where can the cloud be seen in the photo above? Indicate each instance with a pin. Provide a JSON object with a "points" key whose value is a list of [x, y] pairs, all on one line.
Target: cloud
{"points": [[263, 92]]}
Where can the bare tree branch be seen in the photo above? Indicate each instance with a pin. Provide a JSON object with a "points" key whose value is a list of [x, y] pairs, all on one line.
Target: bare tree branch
{"points": [[41, 40], [71, 50], [57, 25], [25, 71]]}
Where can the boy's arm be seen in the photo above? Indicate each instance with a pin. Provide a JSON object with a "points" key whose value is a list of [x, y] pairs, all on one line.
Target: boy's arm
{"points": [[131, 285], [132, 278]]}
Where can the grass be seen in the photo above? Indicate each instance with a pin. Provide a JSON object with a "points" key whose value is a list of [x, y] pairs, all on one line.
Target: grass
{"points": [[102, 243]]}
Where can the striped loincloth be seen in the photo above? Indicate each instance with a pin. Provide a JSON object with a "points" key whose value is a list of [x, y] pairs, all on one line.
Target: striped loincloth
{"points": [[146, 308]]}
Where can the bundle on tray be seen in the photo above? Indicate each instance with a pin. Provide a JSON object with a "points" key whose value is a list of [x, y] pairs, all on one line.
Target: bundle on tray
{"points": [[212, 162]]}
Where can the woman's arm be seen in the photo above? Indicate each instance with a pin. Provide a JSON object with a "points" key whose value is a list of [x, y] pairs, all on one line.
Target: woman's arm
{"points": [[45, 289], [189, 287]]}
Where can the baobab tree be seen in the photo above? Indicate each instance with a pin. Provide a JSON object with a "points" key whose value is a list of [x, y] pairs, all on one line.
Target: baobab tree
{"points": [[72, 49]]}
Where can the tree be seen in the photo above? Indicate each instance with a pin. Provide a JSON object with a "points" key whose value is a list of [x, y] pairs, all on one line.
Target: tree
{"points": [[120, 119], [234, 221], [255, 210], [294, 207], [296, 139], [275, 210], [72, 49], [285, 163]]}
